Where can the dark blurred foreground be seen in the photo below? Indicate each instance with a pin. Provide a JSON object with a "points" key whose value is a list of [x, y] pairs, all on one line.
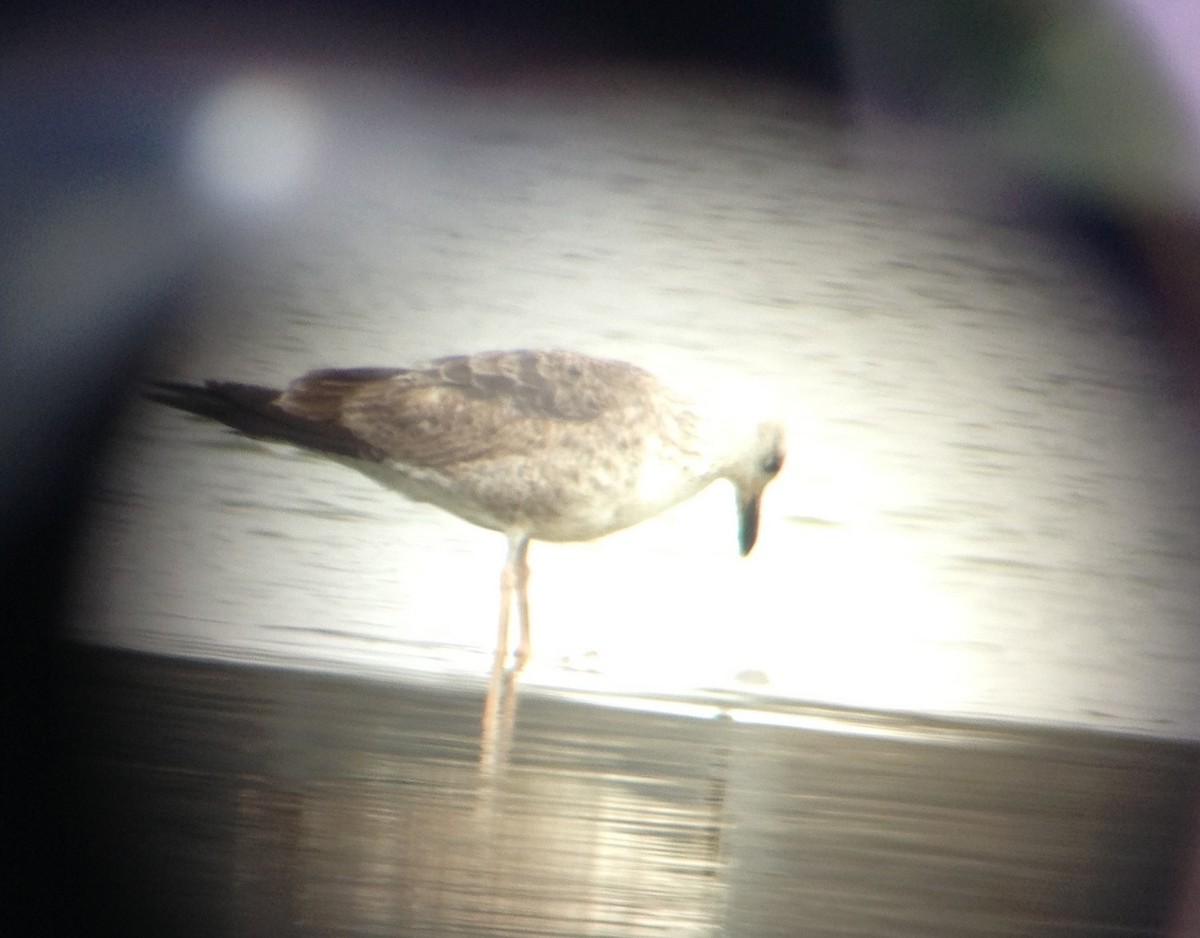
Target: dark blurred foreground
{"points": [[214, 799]]}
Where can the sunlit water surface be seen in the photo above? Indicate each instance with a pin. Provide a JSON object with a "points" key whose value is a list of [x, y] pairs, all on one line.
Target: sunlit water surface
{"points": [[989, 506]]}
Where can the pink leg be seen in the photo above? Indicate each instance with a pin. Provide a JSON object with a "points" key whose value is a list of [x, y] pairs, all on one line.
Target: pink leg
{"points": [[514, 575], [522, 581]]}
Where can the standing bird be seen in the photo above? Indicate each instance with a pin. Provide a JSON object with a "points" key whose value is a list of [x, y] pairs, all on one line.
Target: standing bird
{"points": [[550, 445]]}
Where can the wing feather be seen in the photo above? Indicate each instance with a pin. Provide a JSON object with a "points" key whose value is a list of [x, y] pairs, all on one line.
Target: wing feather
{"points": [[465, 407], [451, 410]]}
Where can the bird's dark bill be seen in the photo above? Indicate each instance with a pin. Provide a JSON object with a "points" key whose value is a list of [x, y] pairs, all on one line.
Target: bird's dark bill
{"points": [[748, 520]]}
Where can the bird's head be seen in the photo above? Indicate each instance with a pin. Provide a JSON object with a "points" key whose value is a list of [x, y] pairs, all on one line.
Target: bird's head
{"points": [[758, 462]]}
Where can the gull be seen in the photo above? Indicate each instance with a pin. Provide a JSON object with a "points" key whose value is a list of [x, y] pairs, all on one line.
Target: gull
{"points": [[543, 445]]}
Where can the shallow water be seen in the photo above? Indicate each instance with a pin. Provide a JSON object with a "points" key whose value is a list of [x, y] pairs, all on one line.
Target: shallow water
{"points": [[225, 799], [989, 507]]}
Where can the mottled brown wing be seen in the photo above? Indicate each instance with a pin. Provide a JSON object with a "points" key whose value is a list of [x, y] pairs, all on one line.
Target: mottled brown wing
{"points": [[463, 407]]}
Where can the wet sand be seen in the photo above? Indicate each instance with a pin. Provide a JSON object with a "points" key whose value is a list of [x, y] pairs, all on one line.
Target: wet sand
{"points": [[219, 799]]}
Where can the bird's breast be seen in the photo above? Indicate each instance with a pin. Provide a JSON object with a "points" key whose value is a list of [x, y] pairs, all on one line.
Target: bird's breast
{"points": [[565, 492]]}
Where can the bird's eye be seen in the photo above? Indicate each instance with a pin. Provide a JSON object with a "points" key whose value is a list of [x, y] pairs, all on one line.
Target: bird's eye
{"points": [[772, 464]]}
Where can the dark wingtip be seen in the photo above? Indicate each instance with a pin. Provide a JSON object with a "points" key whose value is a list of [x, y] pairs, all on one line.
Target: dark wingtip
{"points": [[227, 402], [254, 410], [172, 393], [240, 406]]}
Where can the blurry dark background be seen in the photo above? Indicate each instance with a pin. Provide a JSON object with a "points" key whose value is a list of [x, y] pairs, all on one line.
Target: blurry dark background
{"points": [[1087, 135]]}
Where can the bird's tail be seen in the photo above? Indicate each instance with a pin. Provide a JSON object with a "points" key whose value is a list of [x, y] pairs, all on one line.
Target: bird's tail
{"points": [[255, 411]]}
